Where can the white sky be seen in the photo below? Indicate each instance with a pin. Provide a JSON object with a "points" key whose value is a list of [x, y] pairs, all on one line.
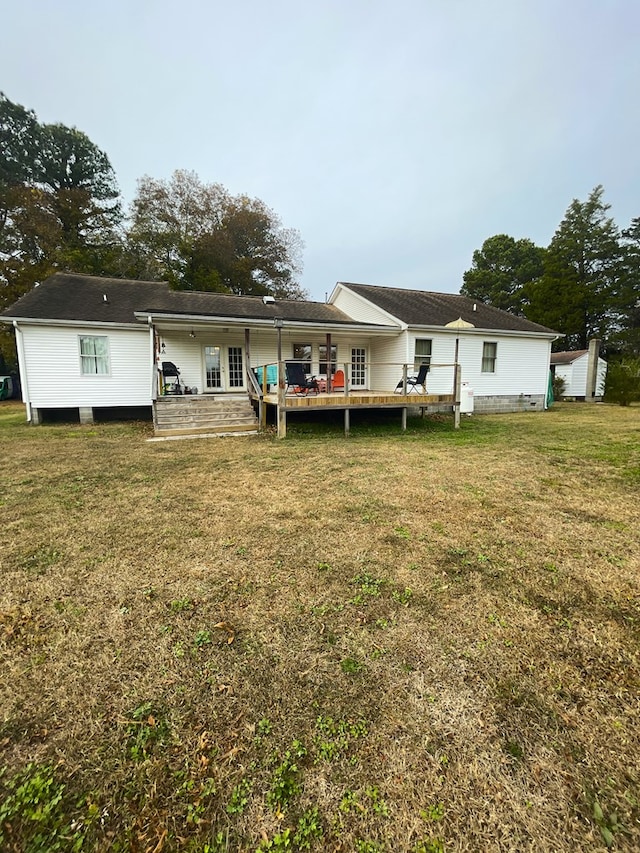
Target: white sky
{"points": [[395, 136]]}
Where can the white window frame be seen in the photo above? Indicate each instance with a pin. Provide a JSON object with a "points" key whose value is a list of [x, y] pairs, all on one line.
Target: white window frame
{"points": [[91, 358], [302, 352], [422, 358], [489, 356]]}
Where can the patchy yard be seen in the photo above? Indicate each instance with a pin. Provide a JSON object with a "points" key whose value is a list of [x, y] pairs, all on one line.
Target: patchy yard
{"points": [[418, 643]]}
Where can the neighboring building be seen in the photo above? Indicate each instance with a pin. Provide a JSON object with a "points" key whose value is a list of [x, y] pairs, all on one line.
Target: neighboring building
{"points": [[96, 343], [583, 380]]}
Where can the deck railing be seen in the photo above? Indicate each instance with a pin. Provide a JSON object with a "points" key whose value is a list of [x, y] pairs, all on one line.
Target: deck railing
{"points": [[444, 379]]}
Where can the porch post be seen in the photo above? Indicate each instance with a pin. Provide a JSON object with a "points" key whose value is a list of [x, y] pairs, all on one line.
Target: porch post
{"points": [[329, 376], [404, 419], [346, 423], [247, 356], [282, 402]]}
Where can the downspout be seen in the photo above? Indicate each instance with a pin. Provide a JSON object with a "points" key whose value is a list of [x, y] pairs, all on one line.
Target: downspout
{"points": [[22, 367], [154, 365]]}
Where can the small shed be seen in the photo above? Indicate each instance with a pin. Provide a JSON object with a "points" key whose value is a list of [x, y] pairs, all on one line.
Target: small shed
{"points": [[584, 372]]}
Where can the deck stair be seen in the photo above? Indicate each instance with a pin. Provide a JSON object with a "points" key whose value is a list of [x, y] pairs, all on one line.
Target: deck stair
{"points": [[200, 414]]}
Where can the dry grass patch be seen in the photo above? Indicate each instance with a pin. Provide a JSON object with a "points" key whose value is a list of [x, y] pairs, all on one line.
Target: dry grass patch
{"points": [[392, 643]]}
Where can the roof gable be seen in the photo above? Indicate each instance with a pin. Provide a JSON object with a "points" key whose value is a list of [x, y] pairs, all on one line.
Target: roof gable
{"points": [[426, 308]]}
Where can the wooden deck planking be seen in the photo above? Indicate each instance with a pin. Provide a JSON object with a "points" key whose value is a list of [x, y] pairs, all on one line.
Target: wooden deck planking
{"points": [[360, 399]]}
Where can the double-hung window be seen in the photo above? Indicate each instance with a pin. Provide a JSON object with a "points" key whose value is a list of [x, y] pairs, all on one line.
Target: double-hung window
{"points": [[322, 359], [302, 352], [489, 356], [94, 355], [422, 353]]}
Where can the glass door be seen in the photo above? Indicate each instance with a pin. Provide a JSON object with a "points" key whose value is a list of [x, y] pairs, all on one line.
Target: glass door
{"points": [[358, 367], [212, 364], [236, 367]]}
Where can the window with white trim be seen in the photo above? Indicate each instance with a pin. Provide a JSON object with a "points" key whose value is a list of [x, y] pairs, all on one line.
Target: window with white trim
{"points": [[94, 355], [422, 353], [302, 352], [322, 359], [489, 356]]}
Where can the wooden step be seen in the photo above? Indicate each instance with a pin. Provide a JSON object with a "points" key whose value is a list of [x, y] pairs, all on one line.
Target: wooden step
{"points": [[184, 415]]}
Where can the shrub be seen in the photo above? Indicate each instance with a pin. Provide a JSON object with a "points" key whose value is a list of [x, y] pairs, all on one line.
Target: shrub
{"points": [[623, 381], [559, 387]]}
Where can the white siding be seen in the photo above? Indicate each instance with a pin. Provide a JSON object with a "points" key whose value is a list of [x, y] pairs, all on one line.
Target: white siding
{"points": [[360, 309], [388, 355], [54, 380], [578, 384], [522, 364], [575, 376], [601, 378]]}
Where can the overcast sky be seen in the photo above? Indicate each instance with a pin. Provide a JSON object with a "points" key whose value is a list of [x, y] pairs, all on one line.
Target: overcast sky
{"points": [[395, 136]]}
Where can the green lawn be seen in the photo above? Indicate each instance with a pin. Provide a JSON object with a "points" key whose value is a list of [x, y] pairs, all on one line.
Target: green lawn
{"points": [[397, 642]]}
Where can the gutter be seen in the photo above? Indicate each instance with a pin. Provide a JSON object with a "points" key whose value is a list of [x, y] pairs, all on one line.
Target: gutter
{"points": [[154, 369], [509, 333], [22, 367], [200, 320], [39, 321]]}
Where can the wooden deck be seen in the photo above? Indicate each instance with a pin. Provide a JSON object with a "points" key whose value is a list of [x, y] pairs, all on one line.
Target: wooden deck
{"points": [[287, 403]]}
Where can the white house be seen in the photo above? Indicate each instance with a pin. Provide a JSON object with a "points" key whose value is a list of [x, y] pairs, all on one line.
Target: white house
{"points": [[583, 380], [94, 344]]}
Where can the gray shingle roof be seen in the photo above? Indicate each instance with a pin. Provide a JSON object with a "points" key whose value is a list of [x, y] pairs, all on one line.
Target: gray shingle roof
{"points": [[424, 308], [567, 357], [65, 296]]}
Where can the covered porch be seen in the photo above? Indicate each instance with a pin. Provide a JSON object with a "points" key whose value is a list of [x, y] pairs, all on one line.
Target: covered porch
{"points": [[222, 357]]}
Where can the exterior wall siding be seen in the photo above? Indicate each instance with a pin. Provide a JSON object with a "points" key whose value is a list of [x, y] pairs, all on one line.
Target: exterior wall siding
{"points": [[55, 381], [575, 376], [360, 309], [522, 364]]}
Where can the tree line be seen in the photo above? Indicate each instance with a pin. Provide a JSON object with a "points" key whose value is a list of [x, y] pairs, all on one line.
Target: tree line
{"points": [[585, 284], [61, 209]]}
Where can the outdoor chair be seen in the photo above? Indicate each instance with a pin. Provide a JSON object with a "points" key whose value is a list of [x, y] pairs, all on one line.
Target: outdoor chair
{"points": [[419, 381], [297, 379], [337, 381]]}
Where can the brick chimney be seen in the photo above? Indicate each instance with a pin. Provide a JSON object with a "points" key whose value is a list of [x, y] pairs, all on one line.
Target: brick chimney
{"points": [[592, 370]]}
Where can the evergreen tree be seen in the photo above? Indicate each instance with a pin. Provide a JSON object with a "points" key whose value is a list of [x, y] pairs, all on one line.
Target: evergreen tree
{"points": [[502, 271], [580, 291]]}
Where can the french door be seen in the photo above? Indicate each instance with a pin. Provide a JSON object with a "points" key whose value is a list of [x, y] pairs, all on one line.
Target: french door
{"points": [[224, 368], [213, 368], [358, 367]]}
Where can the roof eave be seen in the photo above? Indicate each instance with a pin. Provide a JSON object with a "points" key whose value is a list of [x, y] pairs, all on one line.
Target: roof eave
{"points": [[38, 321], [268, 323], [552, 336]]}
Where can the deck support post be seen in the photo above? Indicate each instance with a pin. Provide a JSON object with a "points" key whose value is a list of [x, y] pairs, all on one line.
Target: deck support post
{"points": [[282, 401], [404, 419], [456, 397], [346, 423]]}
